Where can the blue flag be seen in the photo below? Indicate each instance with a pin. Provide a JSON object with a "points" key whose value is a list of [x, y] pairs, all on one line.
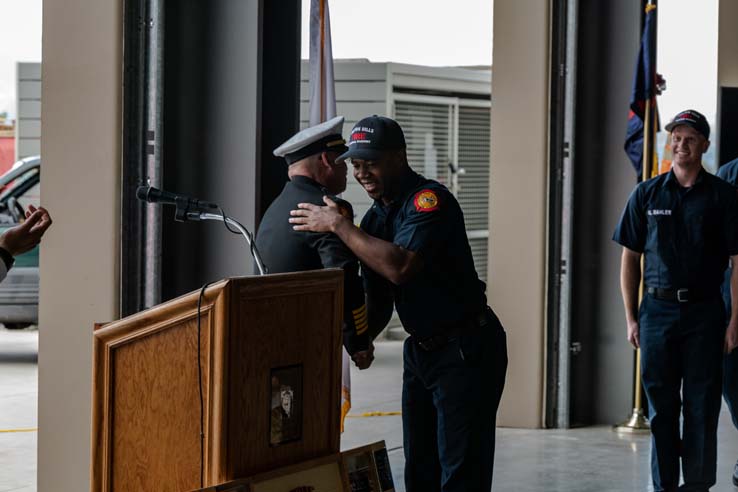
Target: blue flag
{"points": [[644, 90]]}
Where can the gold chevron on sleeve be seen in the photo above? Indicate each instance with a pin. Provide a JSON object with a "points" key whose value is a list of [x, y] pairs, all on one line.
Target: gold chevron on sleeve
{"points": [[360, 329], [360, 319]]}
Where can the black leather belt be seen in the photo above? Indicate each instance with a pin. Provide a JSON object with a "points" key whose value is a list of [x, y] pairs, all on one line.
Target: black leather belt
{"points": [[464, 327], [682, 295]]}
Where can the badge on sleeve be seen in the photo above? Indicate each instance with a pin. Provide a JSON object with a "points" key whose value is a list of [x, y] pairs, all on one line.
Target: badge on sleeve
{"points": [[426, 201]]}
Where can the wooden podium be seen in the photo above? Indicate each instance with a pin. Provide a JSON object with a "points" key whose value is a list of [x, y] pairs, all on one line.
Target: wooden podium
{"points": [[269, 368]]}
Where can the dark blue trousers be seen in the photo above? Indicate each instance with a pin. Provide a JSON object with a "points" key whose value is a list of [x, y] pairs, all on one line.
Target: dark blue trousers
{"points": [[449, 407], [681, 352], [730, 384], [730, 365]]}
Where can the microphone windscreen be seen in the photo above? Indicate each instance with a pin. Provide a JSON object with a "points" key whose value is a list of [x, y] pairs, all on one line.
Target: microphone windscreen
{"points": [[142, 193]]}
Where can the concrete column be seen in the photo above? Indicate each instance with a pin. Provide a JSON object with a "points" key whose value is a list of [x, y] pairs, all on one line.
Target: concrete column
{"points": [[81, 119], [727, 44], [231, 95], [518, 200]]}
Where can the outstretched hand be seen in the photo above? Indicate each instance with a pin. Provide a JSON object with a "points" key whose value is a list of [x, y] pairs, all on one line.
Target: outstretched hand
{"points": [[731, 338], [314, 218], [26, 236]]}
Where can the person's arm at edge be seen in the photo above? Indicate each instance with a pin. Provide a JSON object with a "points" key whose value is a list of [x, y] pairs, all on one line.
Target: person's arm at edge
{"points": [[630, 279]]}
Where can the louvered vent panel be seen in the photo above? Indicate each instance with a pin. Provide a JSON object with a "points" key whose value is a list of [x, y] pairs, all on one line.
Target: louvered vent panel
{"points": [[426, 128], [474, 150], [479, 252]]}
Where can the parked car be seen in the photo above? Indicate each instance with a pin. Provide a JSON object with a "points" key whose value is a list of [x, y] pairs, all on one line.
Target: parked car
{"points": [[19, 187]]}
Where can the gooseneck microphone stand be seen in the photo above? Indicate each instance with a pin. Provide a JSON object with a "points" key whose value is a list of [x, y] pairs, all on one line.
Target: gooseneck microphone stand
{"points": [[234, 223], [187, 208]]}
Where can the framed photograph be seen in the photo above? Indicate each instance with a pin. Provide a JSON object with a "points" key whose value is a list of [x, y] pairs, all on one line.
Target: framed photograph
{"points": [[384, 471], [360, 472], [367, 469], [285, 407]]}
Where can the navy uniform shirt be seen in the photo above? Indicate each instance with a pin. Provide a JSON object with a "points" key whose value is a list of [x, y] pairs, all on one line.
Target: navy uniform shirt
{"points": [[426, 219], [728, 172], [686, 234], [285, 250]]}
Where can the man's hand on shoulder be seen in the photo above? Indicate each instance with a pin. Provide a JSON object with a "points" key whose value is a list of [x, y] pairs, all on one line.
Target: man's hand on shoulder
{"points": [[26, 236], [314, 218]]}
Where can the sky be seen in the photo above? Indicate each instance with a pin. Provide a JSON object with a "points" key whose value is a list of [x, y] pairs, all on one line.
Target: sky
{"points": [[410, 31], [20, 41], [689, 64]]}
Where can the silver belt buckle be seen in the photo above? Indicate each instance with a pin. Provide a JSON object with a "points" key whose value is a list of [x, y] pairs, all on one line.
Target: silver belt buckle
{"points": [[683, 295]]}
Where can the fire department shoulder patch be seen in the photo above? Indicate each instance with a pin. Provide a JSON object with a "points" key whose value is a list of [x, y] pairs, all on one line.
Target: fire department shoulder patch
{"points": [[426, 201]]}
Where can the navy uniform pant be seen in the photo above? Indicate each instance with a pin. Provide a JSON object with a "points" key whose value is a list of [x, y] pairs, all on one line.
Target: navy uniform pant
{"points": [[449, 406], [730, 365], [730, 384], [681, 351]]}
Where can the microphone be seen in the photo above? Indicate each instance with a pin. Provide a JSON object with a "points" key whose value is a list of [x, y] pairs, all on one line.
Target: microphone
{"points": [[155, 195]]}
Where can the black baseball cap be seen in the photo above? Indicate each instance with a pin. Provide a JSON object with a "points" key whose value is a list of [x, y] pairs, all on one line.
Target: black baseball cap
{"points": [[371, 136], [692, 118]]}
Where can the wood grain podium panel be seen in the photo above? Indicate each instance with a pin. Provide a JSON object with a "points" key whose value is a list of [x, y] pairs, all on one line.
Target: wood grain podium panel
{"points": [[146, 403], [303, 317]]}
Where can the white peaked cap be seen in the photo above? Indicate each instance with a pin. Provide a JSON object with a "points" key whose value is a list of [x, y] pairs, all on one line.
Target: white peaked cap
{"points": [[312, 135]]}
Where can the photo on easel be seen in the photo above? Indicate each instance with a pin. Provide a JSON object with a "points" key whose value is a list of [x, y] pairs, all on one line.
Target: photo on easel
{"points": [[367, 469], [384, 471], [285, 407], [360, 471]]}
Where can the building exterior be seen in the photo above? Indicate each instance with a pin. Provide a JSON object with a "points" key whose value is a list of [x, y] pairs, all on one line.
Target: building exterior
{"points": [[28, 104]]}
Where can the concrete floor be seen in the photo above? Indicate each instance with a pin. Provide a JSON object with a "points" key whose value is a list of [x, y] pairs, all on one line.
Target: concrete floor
{"points": [[18, 409], [579, 460], [576, 460]]}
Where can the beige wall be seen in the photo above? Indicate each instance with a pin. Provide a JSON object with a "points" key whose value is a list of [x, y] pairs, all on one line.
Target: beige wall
{"points": [[81, 114], [728, 44], [518, 201]]}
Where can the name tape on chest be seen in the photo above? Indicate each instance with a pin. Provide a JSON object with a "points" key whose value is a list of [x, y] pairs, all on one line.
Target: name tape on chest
{"points": [[657, 211], [426, 201]]}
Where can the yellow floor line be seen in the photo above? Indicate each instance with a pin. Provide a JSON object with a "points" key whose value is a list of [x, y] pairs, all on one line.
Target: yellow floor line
{"points": [[12, 431], [373, 414]]}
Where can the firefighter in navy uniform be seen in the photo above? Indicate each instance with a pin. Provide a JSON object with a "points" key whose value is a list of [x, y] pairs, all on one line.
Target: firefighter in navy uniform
{"points": [[729, 172], [415, 256], [314, 174], [685, 224]]}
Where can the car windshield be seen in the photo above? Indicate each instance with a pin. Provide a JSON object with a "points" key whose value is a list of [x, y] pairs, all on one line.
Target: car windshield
{"points": [[9, 189]]}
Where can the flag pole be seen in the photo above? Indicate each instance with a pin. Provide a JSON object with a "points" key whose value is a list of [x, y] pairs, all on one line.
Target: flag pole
{"points": [[638, 423]]}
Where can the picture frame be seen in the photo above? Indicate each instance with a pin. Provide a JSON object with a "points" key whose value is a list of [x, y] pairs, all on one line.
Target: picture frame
{"points": [[367, 469], [285, 405]]}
